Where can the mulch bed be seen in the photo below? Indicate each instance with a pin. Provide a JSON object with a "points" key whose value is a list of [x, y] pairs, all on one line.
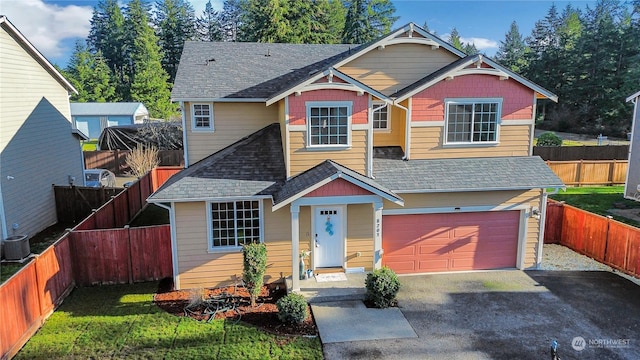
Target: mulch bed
{"points": [[201, 304]]}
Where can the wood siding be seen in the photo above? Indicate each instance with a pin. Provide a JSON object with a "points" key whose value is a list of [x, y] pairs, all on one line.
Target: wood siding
{"points": [[493, 198], [302, 159], [360, 236], [395, 136], [197, 268], [426, 143], [36, 143], [298, 104], [231, 122], [397, 66]]}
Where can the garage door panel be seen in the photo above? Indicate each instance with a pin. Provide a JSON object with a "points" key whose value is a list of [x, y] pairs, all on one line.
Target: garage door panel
{"points": [[451, 242]]}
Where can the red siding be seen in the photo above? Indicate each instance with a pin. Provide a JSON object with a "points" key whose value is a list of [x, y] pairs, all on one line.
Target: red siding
{"points": [[298, 109], [428, 105], [450, 242], [338, 187]]}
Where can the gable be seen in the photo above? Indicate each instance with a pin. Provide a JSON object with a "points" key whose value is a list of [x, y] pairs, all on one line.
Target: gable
{"points": [[393, 67], [338, 187]]}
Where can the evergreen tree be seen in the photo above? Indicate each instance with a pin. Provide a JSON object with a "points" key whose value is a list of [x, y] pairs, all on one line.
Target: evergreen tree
{"points": [[209, 25], [107, 37], [175, 24], [512, 50], [367, 20], [90, 75], [149, 80], [327, 23], [230, 19], [454, 39], [265, 21]]}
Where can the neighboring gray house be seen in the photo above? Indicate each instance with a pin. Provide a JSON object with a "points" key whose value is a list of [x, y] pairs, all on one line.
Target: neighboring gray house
{"points": [[38, 145], [91, 118], [633, 172]]}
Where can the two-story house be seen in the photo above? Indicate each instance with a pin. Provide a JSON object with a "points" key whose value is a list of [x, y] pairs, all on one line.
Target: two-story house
{"points": [[401, 152], [38, 145]]}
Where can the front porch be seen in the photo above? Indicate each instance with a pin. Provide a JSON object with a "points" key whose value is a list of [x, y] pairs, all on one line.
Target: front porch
{"points": [[316, 292]]}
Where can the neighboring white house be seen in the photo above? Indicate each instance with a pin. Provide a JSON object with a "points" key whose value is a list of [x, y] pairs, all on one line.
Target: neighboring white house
{"points": [[633, 170], [91, 118], [38, 145]]}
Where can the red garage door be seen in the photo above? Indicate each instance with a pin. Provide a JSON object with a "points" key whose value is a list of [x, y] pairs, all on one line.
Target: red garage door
{"points": [[450, 242]]}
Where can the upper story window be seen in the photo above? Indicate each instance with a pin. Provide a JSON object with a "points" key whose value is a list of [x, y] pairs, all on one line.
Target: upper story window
{"points": [[328, 124], [201, 117], [380, 116], [472, 121], [235, 223]]}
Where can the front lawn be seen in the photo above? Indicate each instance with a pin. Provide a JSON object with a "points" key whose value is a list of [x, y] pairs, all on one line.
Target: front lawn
{"points": [[599, 200], [121, 321]]}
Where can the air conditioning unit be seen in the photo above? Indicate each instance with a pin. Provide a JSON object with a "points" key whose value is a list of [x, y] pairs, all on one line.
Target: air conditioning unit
{"points": [[16, 247]]}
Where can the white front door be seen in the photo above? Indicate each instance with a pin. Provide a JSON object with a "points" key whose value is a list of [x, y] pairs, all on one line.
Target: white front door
{"points": [[328, 237]]}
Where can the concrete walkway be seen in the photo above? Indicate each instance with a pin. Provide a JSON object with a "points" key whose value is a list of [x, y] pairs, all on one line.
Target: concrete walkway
{"points": [[352, 321]]}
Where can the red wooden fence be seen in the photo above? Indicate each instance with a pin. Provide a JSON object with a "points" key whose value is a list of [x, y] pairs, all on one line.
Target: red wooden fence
{"points": [[118, 256], [86, 256], [31, 295], [601, 238], [160, 175]]}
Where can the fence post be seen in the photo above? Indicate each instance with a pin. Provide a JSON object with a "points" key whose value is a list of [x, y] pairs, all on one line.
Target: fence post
{"points": [[612, 167], [580, 172], [129, 254]]}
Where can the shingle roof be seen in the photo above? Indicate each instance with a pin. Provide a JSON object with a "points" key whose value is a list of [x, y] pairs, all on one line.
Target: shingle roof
{"points": [[244, 168], [468, 174], [214, 70], [323, 171], [109, 108]]}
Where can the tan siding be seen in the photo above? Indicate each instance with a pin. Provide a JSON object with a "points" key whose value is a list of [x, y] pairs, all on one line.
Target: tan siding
{"points": [[426, 143], [449, 200], [397, 66], [394, 137], [354, 158], [360, 236], [197, 268], [282, 119], [232, 122], [36, 144]]}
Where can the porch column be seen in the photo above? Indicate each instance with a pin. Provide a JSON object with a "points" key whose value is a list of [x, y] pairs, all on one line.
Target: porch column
{"points": [[377, 235], [295, 247]]}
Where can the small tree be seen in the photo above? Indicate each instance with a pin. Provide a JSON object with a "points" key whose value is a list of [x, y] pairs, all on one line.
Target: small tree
{"points": [[254, 266], [549, 139], [382, 287], [142, 159]]}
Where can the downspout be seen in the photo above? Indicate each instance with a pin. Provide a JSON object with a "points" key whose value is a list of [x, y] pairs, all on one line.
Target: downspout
{"points": [[541, 225], [3, 219], [185, 149], [174, 243], [636, 114], [407, 130]]}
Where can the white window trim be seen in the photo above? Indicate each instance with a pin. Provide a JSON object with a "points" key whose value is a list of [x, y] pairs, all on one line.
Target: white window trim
{"points": [[311, 104], [223, 249], [209, 128], [376, 105], [445, 131]]}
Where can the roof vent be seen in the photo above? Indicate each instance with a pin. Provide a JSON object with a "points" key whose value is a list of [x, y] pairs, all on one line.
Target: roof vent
{"points": [[210, 61], [268, 53]]}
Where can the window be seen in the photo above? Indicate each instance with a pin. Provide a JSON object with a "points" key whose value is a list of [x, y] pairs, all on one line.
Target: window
{"points": [[201, 117], [472, 121], [328, 123], [380, 116], [235, 223]]}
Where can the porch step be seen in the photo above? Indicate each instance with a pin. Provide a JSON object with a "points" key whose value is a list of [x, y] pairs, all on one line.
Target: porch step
{"points": [[328, 270], [315, 292]]}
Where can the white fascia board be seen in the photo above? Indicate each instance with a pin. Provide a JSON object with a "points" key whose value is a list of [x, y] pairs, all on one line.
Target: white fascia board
{"points": [[371, 189], [310, 81], [300, 194], [34, 52], [633, 97], [537, 88], [229, 100], [210, 199], [426, 191]]}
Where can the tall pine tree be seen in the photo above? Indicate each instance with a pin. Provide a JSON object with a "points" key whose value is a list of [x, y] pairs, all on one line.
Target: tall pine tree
{"points": [[209, 25], [90, 75], [149, 80], [367, 20], [175, 23], [512, 51]]}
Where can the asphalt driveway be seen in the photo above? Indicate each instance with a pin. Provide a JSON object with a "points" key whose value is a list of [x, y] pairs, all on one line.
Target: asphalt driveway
{"points": [[510, 315]]}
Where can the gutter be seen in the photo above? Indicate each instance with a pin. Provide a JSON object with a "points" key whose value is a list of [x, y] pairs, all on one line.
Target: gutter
{"points": [[542, 223], [174, 242]]}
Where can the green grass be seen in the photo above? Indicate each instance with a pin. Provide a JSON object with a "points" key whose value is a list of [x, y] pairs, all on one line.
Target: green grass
{"points": [[121, 321], [90, 145], [7, 270], [598, 200]]}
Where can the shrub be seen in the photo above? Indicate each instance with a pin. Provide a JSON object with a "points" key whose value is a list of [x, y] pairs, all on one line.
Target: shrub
{"points": [[254, 258], [549, 139], [292, 308], [141, 160], [382, 287]]}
